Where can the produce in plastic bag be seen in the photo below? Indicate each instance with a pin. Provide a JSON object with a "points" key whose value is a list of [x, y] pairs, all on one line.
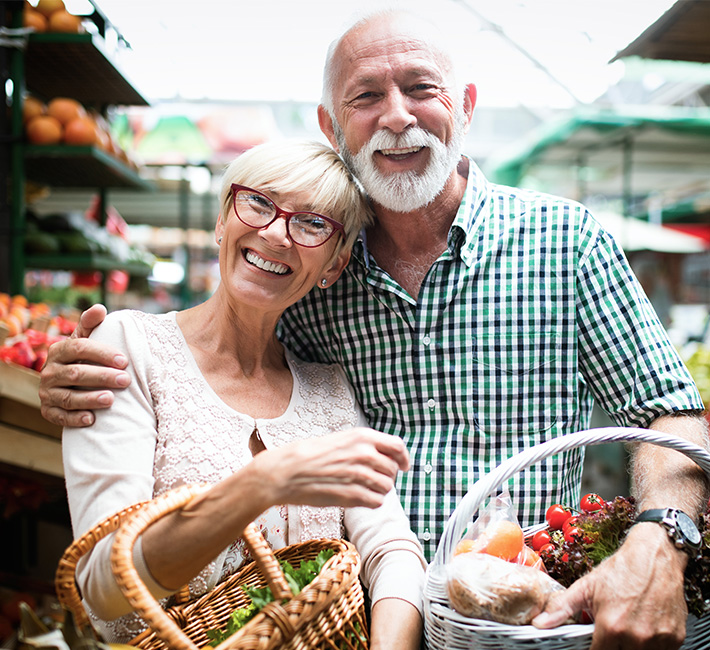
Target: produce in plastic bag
{"points": [[483, 586], [496, 531]]}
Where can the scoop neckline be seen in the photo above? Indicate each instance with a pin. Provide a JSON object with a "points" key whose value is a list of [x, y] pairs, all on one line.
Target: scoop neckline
{"points": [[295, 390]]}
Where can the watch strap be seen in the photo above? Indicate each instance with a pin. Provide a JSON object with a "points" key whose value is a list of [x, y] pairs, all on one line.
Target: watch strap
{"points": [[654, 514]]}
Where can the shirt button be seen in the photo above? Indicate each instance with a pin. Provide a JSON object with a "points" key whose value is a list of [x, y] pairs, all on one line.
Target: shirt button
{"points": [[431, 403], [428, 468], [426, 340], [426, 535]]}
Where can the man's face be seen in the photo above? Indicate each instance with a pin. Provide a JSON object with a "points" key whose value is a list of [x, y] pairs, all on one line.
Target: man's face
{"points": [[398, 121]]}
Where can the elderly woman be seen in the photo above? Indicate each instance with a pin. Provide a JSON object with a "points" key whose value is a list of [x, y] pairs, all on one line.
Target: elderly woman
{"points": [[215, 398]]}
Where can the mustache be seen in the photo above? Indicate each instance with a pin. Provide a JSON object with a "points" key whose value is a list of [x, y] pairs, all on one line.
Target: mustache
{"points": [[415, 136]]}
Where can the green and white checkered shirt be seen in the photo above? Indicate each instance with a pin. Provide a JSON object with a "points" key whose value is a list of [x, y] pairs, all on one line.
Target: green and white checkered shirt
{"points": [[529, 314]]}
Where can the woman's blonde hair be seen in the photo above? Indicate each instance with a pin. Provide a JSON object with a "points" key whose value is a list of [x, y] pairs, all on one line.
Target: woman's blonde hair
{"points": [[302, 166]]}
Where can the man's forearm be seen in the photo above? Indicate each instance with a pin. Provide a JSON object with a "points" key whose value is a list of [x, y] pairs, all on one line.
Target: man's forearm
{"points": [[666, 478]]}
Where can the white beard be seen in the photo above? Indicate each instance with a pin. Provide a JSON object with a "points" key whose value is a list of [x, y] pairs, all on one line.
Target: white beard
{"points": [[405, 191]]}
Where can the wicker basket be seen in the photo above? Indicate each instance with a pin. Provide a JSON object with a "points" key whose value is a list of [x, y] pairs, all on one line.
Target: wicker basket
{"points": [[445, 629], [328, 613]]}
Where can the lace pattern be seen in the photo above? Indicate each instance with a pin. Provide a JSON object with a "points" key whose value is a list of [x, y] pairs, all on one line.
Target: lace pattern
{"points": [[202, 440]]}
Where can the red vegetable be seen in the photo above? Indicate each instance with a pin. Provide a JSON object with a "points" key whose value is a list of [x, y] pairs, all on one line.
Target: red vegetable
{"points": [[539, 540], [591, 502], [556, 516]]}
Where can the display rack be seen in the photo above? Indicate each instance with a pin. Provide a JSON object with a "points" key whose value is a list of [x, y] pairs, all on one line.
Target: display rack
{"points": [[65, 65], [51, 65]]}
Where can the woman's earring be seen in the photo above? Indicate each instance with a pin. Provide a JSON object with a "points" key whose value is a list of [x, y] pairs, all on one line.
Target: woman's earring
{"points": [[219, 241], [324, 283]]}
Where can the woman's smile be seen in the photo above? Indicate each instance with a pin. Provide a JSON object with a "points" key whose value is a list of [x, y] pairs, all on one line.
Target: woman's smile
{"points": [[254, 259]]}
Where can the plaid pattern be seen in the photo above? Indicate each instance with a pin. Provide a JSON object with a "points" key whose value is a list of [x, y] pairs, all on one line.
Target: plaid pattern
{"points": [[530, 314]]}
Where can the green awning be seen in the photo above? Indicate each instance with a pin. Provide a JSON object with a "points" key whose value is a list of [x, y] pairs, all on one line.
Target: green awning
{"points": [[616, 153]]}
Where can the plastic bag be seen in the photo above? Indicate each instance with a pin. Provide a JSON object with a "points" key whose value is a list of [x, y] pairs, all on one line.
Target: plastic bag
{"points": [[497, 532], [483, 586]]}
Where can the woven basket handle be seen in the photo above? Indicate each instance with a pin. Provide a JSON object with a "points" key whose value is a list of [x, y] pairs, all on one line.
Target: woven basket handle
{"points": [[488, 484], [134, 588]]}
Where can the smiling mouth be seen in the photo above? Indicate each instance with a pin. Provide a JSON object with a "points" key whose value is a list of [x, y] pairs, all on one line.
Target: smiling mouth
{"points": [[271, 267], [400, 152]]}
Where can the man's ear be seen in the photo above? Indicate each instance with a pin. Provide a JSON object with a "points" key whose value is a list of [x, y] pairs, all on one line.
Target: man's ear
{"points": [[325, 121], [470, 94], [337, 266]]}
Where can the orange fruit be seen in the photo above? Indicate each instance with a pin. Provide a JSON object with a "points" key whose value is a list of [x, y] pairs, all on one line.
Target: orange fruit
{"points": [[505, 539], [32, 107], [65, 109], [528, 557], [14, 325], [19, 299], [470, 546], [63, 22], [81, 131], [48, 7], [33, 18], [44, 129]]}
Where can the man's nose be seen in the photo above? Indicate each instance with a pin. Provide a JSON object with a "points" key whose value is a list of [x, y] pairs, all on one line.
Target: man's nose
{"points": [[396, 115]]}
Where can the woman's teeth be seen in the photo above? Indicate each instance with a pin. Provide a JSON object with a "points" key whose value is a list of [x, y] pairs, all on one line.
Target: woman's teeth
{"points": [[272, 267]]}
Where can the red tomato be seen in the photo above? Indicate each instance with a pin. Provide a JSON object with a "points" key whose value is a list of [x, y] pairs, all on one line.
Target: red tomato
{"points": [[539, 539], [556, 516], [572, 534], [591, 502], [571, 521]]}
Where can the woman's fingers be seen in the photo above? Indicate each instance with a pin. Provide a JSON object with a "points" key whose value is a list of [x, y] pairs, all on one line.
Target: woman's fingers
{"points": [[349, 468]]}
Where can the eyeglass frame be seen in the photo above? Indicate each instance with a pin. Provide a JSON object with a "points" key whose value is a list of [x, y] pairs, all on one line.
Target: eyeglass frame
{"points": [[280, 212]]}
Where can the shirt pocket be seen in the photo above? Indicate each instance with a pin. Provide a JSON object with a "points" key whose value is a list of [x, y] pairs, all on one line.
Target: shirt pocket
{"points": [[519, 382]]}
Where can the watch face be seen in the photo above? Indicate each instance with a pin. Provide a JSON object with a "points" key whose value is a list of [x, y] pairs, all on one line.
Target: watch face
{"points": [[688, 529]]}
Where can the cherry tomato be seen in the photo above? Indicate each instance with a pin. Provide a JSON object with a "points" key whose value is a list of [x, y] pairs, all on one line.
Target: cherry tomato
{"points": [[571, 521], [573, 534], [539, 539], [556, 516], [591, 502]]}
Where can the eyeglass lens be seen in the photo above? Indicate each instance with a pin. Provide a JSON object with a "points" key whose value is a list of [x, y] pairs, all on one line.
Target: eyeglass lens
{"points": [[257, 211]]}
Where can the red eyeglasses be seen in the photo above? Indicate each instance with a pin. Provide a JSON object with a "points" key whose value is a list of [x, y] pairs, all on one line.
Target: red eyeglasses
{"points": [[307, 229]]}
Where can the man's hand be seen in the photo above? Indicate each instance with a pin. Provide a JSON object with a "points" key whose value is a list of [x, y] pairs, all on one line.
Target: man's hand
{"points": [[636, 596], [78, 372]]}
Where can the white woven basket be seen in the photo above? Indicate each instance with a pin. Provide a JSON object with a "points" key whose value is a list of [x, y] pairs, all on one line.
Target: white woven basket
{"points": [[445, 629]]}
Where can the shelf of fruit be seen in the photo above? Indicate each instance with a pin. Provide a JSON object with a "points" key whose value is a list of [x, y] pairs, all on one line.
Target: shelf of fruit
{"points": [[26, 332]]}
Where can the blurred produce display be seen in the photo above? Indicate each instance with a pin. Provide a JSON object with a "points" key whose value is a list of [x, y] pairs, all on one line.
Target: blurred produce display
{"points": [[28, 329]]}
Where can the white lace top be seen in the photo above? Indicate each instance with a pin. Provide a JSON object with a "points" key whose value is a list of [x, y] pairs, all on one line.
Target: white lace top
{"points": [[169, 428]]}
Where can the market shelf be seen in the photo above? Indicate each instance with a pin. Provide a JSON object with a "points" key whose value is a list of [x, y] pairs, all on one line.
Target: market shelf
{"points": [[28, 440], [76, 65], [77, 166], [89, 262], [21, 448]]}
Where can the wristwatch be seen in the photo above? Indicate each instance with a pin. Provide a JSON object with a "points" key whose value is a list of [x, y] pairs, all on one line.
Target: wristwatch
{"points": [[681, 528]]}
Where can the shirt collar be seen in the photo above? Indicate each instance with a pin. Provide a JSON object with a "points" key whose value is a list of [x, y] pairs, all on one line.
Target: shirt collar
{"points": [[462, 234]]}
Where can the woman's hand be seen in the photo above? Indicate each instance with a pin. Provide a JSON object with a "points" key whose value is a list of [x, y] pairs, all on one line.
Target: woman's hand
{"points": [[356, 467]]}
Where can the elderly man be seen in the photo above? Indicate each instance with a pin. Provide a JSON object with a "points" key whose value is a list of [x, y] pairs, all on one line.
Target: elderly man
{"points": [[475, 321]]}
